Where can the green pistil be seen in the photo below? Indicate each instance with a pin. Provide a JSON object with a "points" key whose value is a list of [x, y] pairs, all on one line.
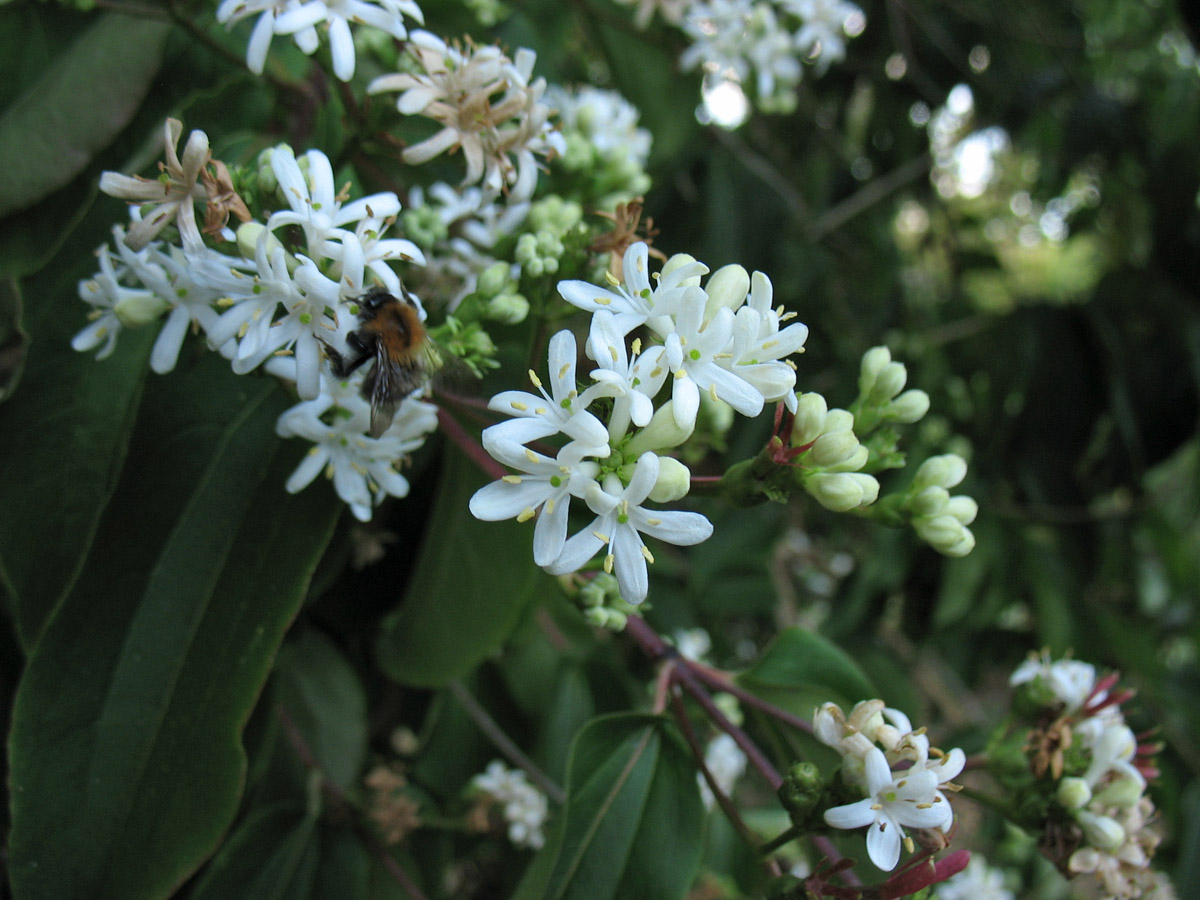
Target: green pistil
{"points": [[622, 518], [694, 354], [555, 481], [566, 403]]}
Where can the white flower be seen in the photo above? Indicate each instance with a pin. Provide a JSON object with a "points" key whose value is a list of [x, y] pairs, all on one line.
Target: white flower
{"points": [[894, 801], [545, 484], [1070, 680], [300, 19], [633, 301], [114, 305], [726, 761], [605, 118], [822, 37], [525, 807], [362, 468], [633, 382], [563, 410], [619, 524], [978, 881], [759, 346], [172, 198], [693, 643]]}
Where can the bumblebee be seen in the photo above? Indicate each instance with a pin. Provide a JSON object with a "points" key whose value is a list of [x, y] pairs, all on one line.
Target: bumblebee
{"points": [[390, 333]]}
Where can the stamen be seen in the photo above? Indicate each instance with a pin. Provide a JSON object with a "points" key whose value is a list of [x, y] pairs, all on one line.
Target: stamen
{"points": [[511, 479], [526, 514]]}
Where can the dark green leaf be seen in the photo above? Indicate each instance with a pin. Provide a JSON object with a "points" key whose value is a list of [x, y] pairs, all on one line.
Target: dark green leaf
{"points": [[801, 669], [633, 819], [471, 582], [128, 719], [271, 855], [13, 339], [78, 105], [321, 693]]}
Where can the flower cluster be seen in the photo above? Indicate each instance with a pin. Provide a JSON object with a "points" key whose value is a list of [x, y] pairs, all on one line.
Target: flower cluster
{"points": [[978, 881], [764, 43], [525, 807], [1100, 812], [900, 776], [291, 291], [304, 21], [722, 340], [487, 105]]}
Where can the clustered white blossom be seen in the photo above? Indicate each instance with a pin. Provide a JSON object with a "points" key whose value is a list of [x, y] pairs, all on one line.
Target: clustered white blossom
{"points": [[722, 340], [900, 775], [764, 43], [1108, 797], [304, 20], [488, 105], [269, 306], [525, 807], [978, 881], [727, 763]]}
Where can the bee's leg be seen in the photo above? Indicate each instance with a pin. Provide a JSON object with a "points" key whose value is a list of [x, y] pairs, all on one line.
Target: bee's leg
{"points": [[344, 365]]}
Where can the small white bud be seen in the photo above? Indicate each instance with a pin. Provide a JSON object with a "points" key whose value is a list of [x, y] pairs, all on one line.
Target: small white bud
{"points": [[842, 491], [493, 279], [946, 471], [873, 362], [853, 462], [839, 420], [508, 309], [662, 433], [940, 532], [888, 383], [1073, 793], [727, 287], [832, 448], [678, 261], [1102, 832], [136, 310], [809, 421], [673, 482], [909, 407], [1124, 792], [930, 502], [963, 508]]}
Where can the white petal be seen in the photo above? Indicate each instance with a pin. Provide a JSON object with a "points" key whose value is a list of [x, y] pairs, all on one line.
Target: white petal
{"points": [[310, 467], [852, 815], [883, 846], [504, 500], [166, 348], [577, 551], [550, 533], [629, 564]]}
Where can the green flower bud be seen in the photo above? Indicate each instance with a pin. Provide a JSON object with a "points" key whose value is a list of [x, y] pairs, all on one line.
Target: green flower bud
{"points": [[508, 309], [946, 471], [493, 279], [1102, 832], [832, 448], [853, 462], [842, 491], [839, 420], [801, 790], [267, 182], [136, 310], [1124, 792], [909, 407], [1073, 793], [679, 260], [940, 532], [889, 382], [873, 362], [673, 482], [809, 421], [963, 508], [727, 287], [930, 502], [662, 433]]}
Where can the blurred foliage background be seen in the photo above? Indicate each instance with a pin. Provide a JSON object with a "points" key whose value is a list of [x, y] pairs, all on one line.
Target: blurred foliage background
{"points": [[1006, 195]]}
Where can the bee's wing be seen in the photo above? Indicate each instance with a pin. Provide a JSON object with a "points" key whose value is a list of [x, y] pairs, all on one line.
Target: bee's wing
{"points": [[386, 391]]}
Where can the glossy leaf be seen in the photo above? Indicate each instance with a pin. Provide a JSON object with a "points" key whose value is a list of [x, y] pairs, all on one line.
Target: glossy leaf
{"points": [[78, 105], [801, 669], [471, 582], [271, 855], [319, 691], [127, 723], [632, 825]]}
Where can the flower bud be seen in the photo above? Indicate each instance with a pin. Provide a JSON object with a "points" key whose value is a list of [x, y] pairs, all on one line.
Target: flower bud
{"points": [[727, 287], [493, 279], [1073, 793], [662, 433], [873, 362], [889, 382], [939, 532], [930, 502], [909, 407], [853, 462], [801, 789], [946, 471], [673, 482], [1124, 792], [507, 309], [678, 261], [963, 508], [964, 546], [832, 448], [809, 420], [141, 308], [839, 420], [842, 491], [1102, 832]]}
